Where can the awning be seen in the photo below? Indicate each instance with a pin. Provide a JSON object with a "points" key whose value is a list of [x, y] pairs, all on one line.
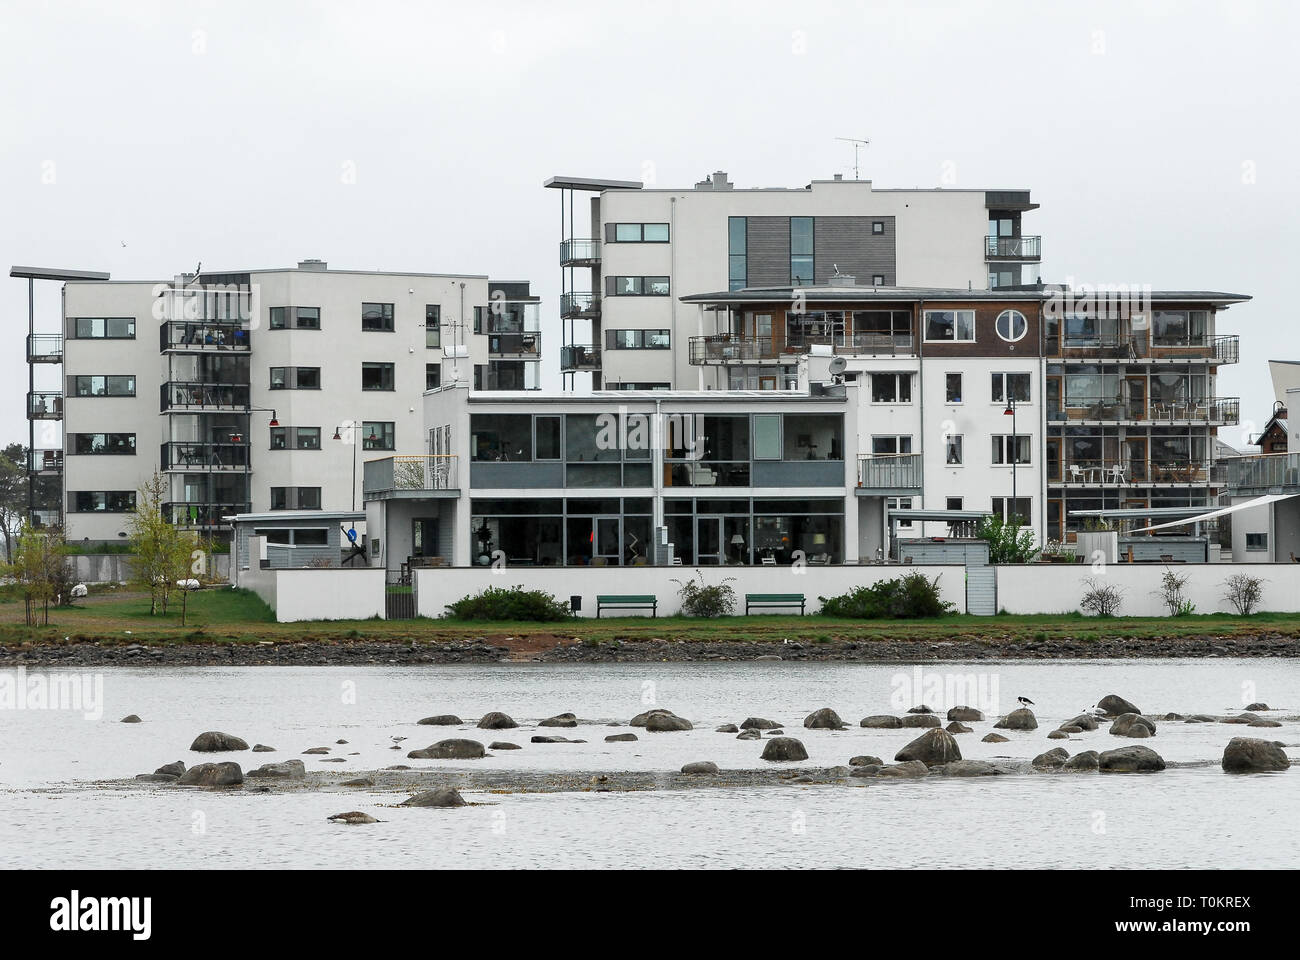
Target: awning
{"points": [[1256, 502]]}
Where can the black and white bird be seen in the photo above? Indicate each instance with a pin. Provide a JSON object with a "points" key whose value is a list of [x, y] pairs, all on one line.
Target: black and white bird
{"points": [[1024, 701]]}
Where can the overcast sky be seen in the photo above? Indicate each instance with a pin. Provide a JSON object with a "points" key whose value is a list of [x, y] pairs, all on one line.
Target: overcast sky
{"points": [[141, 138]]}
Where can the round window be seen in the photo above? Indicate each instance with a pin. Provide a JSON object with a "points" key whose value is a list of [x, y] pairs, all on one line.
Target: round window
{"points": [[1011, 325]]}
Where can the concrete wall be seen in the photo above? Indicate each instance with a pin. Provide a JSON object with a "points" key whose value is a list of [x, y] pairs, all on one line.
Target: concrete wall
{"points": [[337, 594], [115, 567], [438, 587], [262, 582]]}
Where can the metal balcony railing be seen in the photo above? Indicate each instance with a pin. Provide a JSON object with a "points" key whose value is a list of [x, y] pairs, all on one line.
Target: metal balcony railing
{"points": [[576, 252], [1225, 410], [201, 457], [191, 395], [209, 336], [1278, 472], [1125, 471], [579, 357], [1013, 248], [409, 474], [1138, 347], [728, 348], [45, 405], [47, 462], [579, 305], [45, 348], [889, 471]]}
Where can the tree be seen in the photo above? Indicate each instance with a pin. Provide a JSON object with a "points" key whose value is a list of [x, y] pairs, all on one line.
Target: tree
{"points": [[13, 493], [162, 551], [38, 564], [1008, 542]]}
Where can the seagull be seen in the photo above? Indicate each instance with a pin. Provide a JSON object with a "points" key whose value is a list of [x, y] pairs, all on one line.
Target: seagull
{"points": [[397, 739], [1025, 701]]}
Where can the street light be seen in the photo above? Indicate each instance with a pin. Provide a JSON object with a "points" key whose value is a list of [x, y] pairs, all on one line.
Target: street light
{"points": [[1010, 411], [338, 435]]}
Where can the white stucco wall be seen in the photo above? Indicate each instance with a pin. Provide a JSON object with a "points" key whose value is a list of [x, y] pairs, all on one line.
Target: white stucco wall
{"points": [[339, 594]]}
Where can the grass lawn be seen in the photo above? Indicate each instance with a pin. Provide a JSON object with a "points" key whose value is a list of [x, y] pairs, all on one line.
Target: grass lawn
{"points": [[221, 614]]}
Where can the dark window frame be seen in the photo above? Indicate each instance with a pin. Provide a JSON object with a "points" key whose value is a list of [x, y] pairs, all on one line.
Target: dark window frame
{"points": [[383, 323]]}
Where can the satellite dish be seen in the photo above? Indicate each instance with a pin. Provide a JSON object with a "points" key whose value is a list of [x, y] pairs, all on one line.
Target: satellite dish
{"points": [[837, 366]]}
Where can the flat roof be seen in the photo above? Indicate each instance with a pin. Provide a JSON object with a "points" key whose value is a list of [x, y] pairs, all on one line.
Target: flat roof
{"points": [[946, 515], [300, 515], [827, 293], [590, 183], [647, 396], [55, 273]]}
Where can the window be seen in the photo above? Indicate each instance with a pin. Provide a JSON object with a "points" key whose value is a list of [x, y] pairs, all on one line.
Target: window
{"points": [[638, 339], [639, 286], [1257, 541], [640, 233], [432, 376], [1005, 445], [104, 386], [1010, 386], [548, 438], [767, 436], [877, 279], [737, 253], [953, 503], [887, 445], [432, 325], [952, 387], [295, 378], [103, 501], [952, 450], [295, 498], [295, 438], [877, 227], [304, 318], [104, 328], [951, 326], [891, 388], [298, 536], [1011, 325], [377, 376], [89, 444], [1013, 511], [899, 503], [377, 435], [801, 251], [377, 316]]}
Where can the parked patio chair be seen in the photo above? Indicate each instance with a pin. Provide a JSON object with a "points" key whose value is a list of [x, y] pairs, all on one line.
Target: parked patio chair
{"points": [[1076, 473], [1117, 472]]}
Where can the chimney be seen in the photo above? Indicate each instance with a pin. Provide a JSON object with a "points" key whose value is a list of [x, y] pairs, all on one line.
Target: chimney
{"points": [[839, 176], [717, 181], [319, 266]]}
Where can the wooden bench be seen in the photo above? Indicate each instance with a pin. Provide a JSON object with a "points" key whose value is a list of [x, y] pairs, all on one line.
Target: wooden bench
{"points": [[775, 600], [627, 601]]}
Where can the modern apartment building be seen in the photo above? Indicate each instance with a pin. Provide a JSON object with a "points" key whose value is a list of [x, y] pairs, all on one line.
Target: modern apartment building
{"points": [[265, 389], [641, 250]]}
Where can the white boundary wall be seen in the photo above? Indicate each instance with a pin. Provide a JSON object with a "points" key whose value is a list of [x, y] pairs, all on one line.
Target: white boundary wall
{"points": [[337, 594], [1058, 588], [436, 587]]}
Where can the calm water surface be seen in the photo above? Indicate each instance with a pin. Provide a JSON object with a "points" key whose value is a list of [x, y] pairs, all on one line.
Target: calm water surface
{"points": [[53, 815]]}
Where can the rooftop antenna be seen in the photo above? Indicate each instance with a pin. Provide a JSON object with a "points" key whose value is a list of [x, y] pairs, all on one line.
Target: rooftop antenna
{"points": [[857, 145]]}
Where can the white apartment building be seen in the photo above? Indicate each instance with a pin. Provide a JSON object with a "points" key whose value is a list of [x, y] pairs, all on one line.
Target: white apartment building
{"points": [[265, 390]]}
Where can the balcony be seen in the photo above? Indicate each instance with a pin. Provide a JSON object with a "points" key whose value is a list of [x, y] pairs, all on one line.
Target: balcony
{"points": [[185, 396], [211, 336], [1129, 472], [1012, 248], [181, 457], [580, 306], [579, 357], [728, 348], [45, 406], [409, 477], [890, 474], [579, 253], [523, 345], [197, 515], [45, 348], [46, 518], [1143, 348], [45, 463], [1081, 410], [1273, 473]]}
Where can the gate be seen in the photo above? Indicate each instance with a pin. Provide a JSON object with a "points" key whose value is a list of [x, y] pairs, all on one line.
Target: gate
{"points": [[981, 590]]}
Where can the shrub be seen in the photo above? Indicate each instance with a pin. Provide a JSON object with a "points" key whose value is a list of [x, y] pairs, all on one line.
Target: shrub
{"points": [[515, 603], [1244, 592], [1101, 599], [701, 600], [901, 598], [1171, 594], [1008, 542]]}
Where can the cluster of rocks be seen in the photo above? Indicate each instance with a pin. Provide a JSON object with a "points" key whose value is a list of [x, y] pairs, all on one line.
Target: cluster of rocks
{"points": [[110, 650]]}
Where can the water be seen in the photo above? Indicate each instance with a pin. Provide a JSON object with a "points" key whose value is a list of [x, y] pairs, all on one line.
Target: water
{"points": [[52, 814]]}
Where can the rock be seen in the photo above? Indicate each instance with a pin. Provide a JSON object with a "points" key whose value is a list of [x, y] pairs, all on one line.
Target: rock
{"points": [[968, 768], [1082, 761], [1114, 706], [920, 720], [1242, 718], [1084, 721], [758, 723], [1133, 759], [1070, 728], [560, 720], [700, 766], [340, 742], [933, 748], [335, 760], [1058, 735], [354, 817], [262, 748], [130, 718], [454, 749], [869, 770], [727, 728], [214, 742], [503, 745], [1052, 758], [212, 775], [157, 777], [776, 733], [866, 761], [542, 738], [749, 735], [1133, 725], [910, 769], [966, 714], [956, 727], [824, 719], [881, 721], [1171, 717], [173, 769], [621, 738], [835, 773], [1201, 718], [288, 770], [1250, 755], [442, 720], [666, 723], [781, 749], [921, 708], [358, 782], [993, 738], [441, 797], [1257, 706], [641, 719], [496, 721], [316, 750], [399, 766], [1264, 723], [1022, 719]]}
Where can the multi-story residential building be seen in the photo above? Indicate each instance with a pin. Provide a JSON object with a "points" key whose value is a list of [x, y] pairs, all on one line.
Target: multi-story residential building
{"points": [[266, 389], [645, 249]]}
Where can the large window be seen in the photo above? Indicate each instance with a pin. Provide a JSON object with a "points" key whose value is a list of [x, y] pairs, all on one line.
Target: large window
{"points": [[1010, 386], [378, 435], [952, 387], [1007, 446], [432, 375], [295, 378], [295, 498], [638, 339], [891, 388], [640, 233], [802, 267], [104, 386], [104, 328], [1013, 511], [953, 450], [103, 443], [103, 501], [295, 438], [886, 445], [950, 326], [300, 318], [432, 325], [639, 286], [501, 436], [737, 253], [377, 376], [377, 316]]}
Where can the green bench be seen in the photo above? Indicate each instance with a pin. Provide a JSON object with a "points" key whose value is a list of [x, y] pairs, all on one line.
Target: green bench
{"points": [[627, 601], [775, 600]]}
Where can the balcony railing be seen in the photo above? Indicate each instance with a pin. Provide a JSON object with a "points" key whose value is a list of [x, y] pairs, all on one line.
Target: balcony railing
{"points": [[47, 518], [201, 457], [579, 305], [1124, 471], [45, 348], [197, 396], [579, 357], [409, 475], [1112, 409], [890, 471], [45, 462], [728, 348], [1278, 472], [201, 515], [1012, 248], [526, 344], [579, 252], [184, 336], [45, 406], [1139, 347]]}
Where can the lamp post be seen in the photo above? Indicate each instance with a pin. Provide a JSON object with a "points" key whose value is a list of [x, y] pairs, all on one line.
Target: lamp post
{"points": [[338, 435], [1010, 411]]}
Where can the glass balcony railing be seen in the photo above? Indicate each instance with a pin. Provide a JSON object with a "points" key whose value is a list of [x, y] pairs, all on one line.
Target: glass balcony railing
{"points": [[202, 337], [579, 305], [409, 474], [198, 457], [574, 252], [195, 396], [1013, 248], [1128, 471], [45, 406], [45, 348], [1114, 409], [579, 357], [727, 348], [1276, 472], [1141, 346]]}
